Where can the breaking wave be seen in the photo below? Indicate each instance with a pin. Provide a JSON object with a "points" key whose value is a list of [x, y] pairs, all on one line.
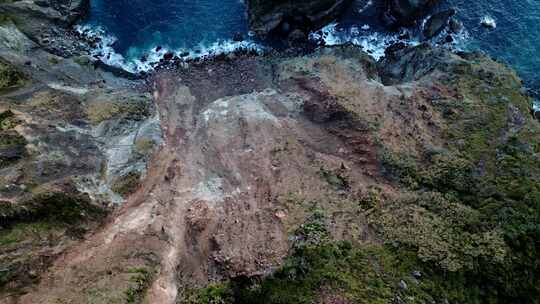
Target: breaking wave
{"points": [[102, 44]]}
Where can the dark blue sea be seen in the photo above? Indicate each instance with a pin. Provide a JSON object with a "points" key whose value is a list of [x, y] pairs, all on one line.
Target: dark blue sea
{"points": [[134, 29], [139, 26], [515, 40]]}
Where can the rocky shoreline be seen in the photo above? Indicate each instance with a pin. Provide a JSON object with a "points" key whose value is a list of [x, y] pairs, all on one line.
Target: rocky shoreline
{"points": [[311, 175]]}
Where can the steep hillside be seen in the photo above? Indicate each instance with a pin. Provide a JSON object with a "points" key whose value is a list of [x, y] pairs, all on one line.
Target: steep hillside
{"points": [[310, 178]]}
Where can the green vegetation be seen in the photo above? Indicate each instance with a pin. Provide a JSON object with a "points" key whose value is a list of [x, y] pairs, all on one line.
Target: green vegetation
{"points": [[131, 108], [475, 205], [219, 293], [335, 179], [139, 281], [12, 144], [99, 112], [319, 268], [24, 231], [127, 184], [47, 219], [144, 146], [9, 76]]}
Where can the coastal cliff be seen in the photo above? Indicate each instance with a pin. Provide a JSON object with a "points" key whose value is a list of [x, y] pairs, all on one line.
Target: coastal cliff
{"points": [[325, 177]]}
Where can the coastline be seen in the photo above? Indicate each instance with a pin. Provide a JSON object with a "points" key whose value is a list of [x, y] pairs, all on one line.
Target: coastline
{"points": [[375, 161]]}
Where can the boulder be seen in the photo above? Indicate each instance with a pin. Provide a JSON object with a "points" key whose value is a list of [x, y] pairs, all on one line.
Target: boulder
{"points": [[437, 23], [267, 16], [405, 64]]}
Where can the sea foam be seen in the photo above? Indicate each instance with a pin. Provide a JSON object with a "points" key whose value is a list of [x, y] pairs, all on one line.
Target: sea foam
{"points": [[373, 43], [103, 49]]}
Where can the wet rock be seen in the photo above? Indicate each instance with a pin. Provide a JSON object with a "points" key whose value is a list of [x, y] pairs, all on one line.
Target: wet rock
{"points": [[168, 56], [405, 36], [437, 23], [297, 36], [42, 3], [536, 114], [389, 20], [266, 16], [455, 25], [238, 37], [488, 22], [407, 12]]}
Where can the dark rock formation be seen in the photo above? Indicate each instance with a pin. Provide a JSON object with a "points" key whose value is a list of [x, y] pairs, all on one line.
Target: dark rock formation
{"points": [[284, 16], [455, 25], [406, 12], [405, 64], [437, 23], [47, 23]]}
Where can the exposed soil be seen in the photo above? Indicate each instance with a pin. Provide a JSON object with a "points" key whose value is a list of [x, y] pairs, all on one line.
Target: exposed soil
{"points": [[249, 145]]}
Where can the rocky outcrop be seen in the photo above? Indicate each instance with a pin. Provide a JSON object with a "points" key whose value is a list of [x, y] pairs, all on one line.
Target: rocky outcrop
{"points": [[31, 13], [406, 12], [284, 16], [69, 134], [438, 22], [47, 23]]}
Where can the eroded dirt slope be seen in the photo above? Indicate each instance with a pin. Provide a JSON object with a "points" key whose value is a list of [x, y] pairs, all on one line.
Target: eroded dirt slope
{"points": [[245, 141], [252, 144]]}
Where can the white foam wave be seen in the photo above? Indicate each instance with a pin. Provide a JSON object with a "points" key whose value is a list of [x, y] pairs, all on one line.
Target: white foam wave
{"points": [[374, 43], [103, 49], [488, 21]]}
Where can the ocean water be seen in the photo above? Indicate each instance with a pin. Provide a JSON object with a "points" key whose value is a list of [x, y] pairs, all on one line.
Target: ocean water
{"points": [[132, 29], [515, 40], [135, 28]]}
